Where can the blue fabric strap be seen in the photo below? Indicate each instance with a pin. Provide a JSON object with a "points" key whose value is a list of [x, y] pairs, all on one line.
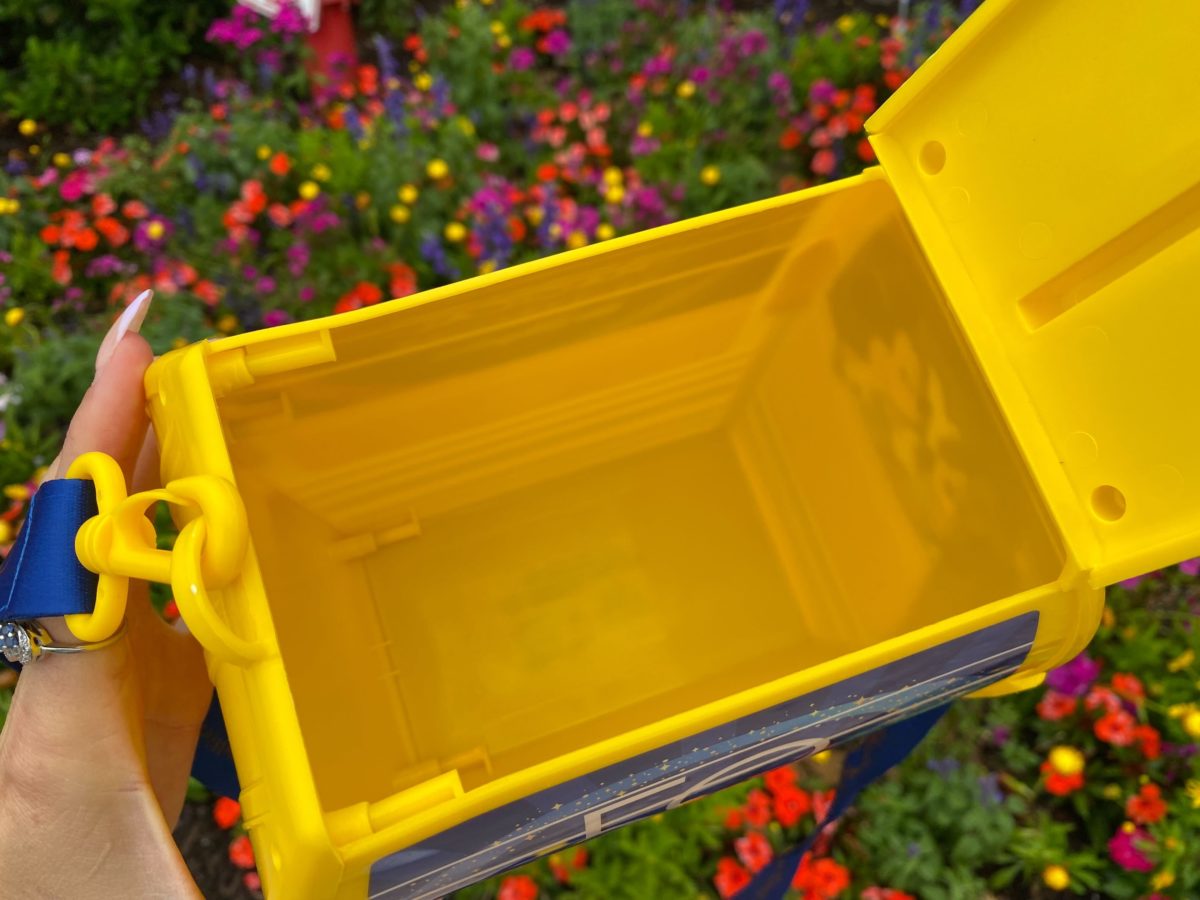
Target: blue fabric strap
{"points": [[42, 576], [877, 753]]}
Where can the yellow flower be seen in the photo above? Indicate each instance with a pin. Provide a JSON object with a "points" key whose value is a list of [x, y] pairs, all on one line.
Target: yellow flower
{"points": [[14, 207], [845, 24], [1128, 827], [14, 317], [1111, 792], [1108, 618], [362, 199], [576, 239], [16, 492], [615, 194], [497, 28], [656, 818], [263, 152], [1179, 710], [456, 232], [555, 230], [605, 232], [535, 214], [1193, 792], [1171, 843], [1162, 880], [34, 149], [179, 343], [309, 189], [1066, 760], [487, 267], [1182, 661], [437, 169], [613, 175], [822, 757], [27, 127], [466, 126], [423, 81], [227, 324], [645, 129], [155, 230], [1191, 723], [7, 207], [6, 532], [414, 66], [504, 42], [710, 175], [686, 89], [1056, 877], [61, 160], [321, 172], [364, 143], [408, 194], [399, 214], [881, 20], [487, 2]]}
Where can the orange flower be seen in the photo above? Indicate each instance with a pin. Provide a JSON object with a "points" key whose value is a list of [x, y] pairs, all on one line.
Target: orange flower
{"points": [[218, 111], [113, 231], [547, 172], [86, 239], [1057, 783], [103, 205], [823, 879], [1129, 687], [280, 164], [1147, 806], [402, 280], [280, 215], [368, 79], [61, 271], [51, 234], [134, 209], [207, 291]]}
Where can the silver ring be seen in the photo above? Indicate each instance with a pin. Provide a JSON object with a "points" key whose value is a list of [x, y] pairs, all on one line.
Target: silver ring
{"points": [[22, 643]]}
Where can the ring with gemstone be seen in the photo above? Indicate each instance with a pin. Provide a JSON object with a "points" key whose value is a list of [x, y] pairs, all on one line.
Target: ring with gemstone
{"points": [[22, 643]]}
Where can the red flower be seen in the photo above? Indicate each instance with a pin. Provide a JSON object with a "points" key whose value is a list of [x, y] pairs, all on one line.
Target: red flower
{"points": [[1147, 806], [1101, 696], [1149, 741], [241, 853], [780, 779], [758, 808], [864, 150], [518, 887], [402, 280], [581, 858], [821, 802], [226, 812], [86, 239], [824, 162], [1059, 784], [103, 205], [753, 850], [790, 139], [543, 20], [362, 294], [823, 879], [517, 229], [170, 611], [1054, 706], [280, 164], [882, 893], [113, 231], [730, 877], [1129, 687], [733, 819], [135, 209], [50, 234], [1115, 728], [547, 172], [61, 270], [791, 805]]}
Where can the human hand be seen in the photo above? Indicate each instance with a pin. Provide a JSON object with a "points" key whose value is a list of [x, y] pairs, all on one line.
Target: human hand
{"points": [[96, 750]]}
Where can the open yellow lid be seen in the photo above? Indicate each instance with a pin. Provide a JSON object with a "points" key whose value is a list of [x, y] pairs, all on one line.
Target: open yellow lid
{"points": [[1048, 157]]}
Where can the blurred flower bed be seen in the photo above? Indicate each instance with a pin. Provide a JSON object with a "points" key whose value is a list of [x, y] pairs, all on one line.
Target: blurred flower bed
{"points": [[499, 132]]}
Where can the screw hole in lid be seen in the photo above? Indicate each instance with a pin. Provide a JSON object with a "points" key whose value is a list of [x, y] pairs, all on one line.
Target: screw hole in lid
{"points": [[1108, 503], [933, 157]]}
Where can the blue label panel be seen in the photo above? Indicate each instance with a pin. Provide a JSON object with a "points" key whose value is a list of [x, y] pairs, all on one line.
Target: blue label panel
{"points": [[664, 778]]}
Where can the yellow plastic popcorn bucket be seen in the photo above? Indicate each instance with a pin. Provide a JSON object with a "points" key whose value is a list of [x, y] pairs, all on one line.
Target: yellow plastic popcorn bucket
{"points": [[539, 553]]}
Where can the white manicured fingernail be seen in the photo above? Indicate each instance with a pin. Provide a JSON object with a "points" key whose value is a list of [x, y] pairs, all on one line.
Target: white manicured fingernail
{"points": [[130, 321]]}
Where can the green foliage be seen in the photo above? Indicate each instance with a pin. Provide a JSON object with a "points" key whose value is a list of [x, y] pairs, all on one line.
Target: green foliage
{"points": [[93, 66]]}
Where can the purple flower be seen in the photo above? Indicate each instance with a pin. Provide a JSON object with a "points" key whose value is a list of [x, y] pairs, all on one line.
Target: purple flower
{"points": [[1124, 849], [265, 285], [943, 767], [1131, 584], [700, 74], [82, 157], [753, 42], [521, 59], [152, 233], [989, 789], [298, 256], [104, 265], [1074, 678], [307, 293], [1190, 567], [234, 31], [643, 146], [435, 254], [657, 66], [1001, 734], [558, 42], [289, 20], [274, 317], [778, 82], [822, 91]]}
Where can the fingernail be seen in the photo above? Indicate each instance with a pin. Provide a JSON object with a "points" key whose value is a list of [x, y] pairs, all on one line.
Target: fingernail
{"points": [[130, 321]]}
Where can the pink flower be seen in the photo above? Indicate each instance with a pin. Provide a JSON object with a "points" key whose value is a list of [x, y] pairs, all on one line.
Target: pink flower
{"points": [[1190, 567], [1124, 849], [824, 162], [75, 185], [521, 59], [557, 42]]}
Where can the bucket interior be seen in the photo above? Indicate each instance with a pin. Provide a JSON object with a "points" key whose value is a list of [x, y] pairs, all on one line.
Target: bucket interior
{"points": [[518, 521]]}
